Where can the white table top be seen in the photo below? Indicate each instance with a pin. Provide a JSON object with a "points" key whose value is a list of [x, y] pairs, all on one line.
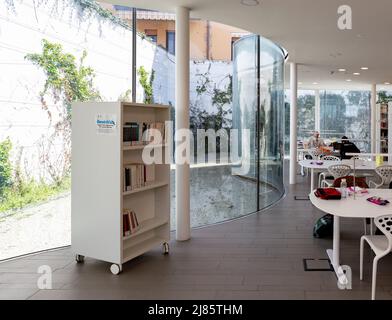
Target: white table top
{"points": [[364, 165], [355, 208]]}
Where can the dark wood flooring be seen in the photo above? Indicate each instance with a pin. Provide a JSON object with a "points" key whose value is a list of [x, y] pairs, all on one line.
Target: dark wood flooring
{"points": [[256, 257]]}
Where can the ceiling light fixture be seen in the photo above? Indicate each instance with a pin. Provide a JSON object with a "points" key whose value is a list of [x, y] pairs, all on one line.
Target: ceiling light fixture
{"points": [[356, 73], [387, 83], [342, 70], [348, 80], [364, 68], [315, 82], [250, 3]]}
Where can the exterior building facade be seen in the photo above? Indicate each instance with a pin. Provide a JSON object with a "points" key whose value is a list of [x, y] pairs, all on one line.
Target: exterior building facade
{"points": [[209, 40]]}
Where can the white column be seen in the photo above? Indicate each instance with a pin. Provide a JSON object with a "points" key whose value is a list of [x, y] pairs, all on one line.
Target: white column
{"points": [[373, 118], [183, 230], [317, 113], [293, 122]]}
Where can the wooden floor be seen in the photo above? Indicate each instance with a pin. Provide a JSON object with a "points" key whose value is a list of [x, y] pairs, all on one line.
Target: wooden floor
{"points": [[257, 257]]}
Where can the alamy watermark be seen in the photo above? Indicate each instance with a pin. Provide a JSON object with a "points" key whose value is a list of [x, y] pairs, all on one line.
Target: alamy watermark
{"points": [[44, 282], [345, 17], [231, 146]]}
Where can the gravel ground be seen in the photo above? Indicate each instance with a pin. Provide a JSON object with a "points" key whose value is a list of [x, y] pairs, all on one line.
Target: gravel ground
{"points": [[37, 227], [216, 196]]}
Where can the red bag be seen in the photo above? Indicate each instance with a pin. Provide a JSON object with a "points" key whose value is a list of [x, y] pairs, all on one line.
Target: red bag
{"points": [[328, 194]]}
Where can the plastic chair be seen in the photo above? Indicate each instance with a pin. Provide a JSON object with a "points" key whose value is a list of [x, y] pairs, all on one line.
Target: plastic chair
{"points": [[381, 246], [315, 154], [336, 171], [325, 175], [385, 173]]}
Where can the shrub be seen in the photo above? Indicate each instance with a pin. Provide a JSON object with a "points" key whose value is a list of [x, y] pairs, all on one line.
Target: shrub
{"points": [[5, 166]]}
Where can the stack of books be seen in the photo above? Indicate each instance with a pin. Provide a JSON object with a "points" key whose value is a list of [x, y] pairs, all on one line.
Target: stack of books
{"points": [[130, 223], [135, 134], [137, 176]]}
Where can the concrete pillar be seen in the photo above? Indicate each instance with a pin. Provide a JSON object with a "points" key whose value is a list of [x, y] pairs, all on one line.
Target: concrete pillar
{"points": [[183, 230], [373, 118], [293, 122]]}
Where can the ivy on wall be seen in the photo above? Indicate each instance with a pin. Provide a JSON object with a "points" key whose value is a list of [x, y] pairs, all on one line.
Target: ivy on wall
{"points": [[66, 82]]}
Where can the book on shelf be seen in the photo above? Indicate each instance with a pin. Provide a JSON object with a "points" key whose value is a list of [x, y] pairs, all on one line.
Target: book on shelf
{"points": [[137, 176], [130, 222], [139, 134], [131, 133]]}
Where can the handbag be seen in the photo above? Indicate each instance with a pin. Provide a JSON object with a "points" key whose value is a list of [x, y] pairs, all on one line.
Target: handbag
{"points": [[328, 194]]}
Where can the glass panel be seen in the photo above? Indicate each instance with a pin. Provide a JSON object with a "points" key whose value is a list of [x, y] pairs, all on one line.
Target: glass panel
{"points": [[91, 49], [271, 122], [244, 121], [306, 116], [346, 113]]}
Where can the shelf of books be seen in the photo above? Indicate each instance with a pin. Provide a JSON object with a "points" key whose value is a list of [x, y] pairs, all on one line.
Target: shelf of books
{"points": [[120, 204], [384, 120]]}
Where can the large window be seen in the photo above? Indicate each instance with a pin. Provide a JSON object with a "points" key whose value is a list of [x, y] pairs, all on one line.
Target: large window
{"points": [[346, 113], [91, 48], [171, 42], [85, 54], [306, 116]]}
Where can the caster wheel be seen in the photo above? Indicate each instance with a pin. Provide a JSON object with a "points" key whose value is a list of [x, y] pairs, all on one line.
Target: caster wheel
{"points": [[165, 248], [115, 269], [79, 258]]}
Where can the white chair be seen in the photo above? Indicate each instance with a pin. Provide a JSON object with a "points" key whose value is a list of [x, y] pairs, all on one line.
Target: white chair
{"points": [[315, 154], [336, 171], [325, 175], [385, 173], [381, 246]]}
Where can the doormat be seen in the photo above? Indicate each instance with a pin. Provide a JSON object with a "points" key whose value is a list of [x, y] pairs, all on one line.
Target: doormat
{"points": [[317, 265]]}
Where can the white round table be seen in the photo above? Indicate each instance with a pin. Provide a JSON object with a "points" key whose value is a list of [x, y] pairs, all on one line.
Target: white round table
{"points": [[316, 168], [350, 208]]}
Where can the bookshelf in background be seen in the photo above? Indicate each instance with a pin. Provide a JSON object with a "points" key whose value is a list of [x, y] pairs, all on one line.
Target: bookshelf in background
{"points": [[120, 205], [383, 121]]}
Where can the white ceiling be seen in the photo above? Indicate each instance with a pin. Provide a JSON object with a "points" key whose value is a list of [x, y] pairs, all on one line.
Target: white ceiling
{"points": [[308, 30]]}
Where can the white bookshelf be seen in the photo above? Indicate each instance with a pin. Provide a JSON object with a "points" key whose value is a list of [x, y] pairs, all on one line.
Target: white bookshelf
{"points": [[384, 122], [98, 196]]}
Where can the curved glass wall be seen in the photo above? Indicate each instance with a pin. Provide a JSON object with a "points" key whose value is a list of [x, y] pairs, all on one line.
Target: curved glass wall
{"points": [[258, 105]]}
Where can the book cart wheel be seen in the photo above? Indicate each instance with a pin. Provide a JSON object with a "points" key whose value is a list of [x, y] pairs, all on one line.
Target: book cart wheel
{"points": [[165, 248], [116, 268], [79, 258]]}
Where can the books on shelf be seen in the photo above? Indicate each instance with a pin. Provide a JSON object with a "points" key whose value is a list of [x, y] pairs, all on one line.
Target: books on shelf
{"points": [[139, 134], [130, 222], [137, 176]]}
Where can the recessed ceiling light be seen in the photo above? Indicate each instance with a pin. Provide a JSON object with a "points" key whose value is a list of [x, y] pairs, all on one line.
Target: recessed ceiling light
{"points": [[364, 68], [250, 2], [342, 70], [356, 73], [348, 80], [315, 82], [387, 83]]}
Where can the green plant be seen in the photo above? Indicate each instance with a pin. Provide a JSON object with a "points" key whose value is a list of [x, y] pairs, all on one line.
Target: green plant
{"points": [[146, 81], [65, 80], [32, 192], [5, 166]]}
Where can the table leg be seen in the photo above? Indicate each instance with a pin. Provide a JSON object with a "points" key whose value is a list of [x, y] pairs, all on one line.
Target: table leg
{"points": [[334, 254], [311, 179]]}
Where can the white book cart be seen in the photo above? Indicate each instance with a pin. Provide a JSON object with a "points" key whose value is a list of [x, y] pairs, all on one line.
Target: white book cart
{"points": [[98, 197]]}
